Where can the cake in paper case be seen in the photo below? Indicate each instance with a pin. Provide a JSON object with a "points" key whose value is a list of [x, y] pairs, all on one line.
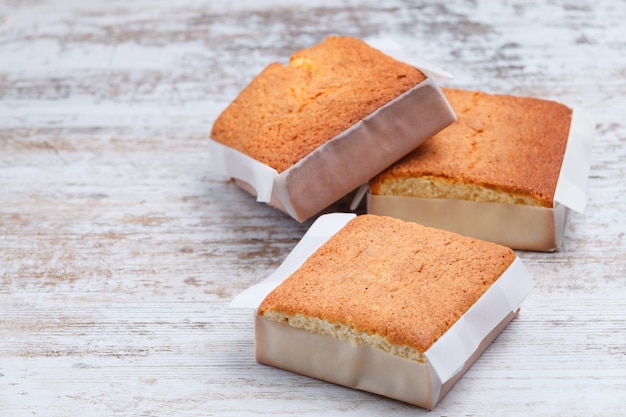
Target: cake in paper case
{"points": [[301, 136], [385, 306], [509, 171]]}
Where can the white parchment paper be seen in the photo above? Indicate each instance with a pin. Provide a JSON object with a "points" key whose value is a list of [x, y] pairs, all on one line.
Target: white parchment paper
{"points": [[571, 188]]}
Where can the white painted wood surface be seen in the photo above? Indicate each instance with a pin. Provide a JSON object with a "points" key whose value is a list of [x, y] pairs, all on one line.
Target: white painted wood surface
{"points": [[120, 251]]}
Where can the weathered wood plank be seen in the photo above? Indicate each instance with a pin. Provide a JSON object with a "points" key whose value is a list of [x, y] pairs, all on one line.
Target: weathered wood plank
{"points": [[120, 250]]}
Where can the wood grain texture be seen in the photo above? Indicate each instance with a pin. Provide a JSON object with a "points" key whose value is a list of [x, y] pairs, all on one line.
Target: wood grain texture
{"points": [[120, 250]]}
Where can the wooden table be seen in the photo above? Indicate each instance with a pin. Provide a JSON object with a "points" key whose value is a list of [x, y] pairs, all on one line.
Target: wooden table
{"points": [[120, 250]]}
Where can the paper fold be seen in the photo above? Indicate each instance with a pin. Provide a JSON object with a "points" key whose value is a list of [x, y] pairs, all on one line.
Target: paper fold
{"points": [[319, 232], [571, 188], [235, 164], [452, 351]]}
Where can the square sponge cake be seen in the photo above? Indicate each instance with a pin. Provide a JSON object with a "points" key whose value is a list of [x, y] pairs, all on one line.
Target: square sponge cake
{"points": [[339, 113], [380, 305], [493, 174]]}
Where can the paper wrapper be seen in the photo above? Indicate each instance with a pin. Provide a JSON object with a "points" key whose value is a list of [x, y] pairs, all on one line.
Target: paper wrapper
{"points": [[516, 226], [351, 158], [370, 369]]}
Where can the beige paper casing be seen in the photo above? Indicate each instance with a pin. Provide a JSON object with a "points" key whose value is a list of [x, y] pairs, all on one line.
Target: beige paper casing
{"points": [[516, 226], [373, 370], [346, 161]]}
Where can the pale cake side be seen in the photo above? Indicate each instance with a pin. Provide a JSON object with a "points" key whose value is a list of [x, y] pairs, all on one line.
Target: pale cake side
{"points": [[502, 149], [386, 283], [288, 111]]}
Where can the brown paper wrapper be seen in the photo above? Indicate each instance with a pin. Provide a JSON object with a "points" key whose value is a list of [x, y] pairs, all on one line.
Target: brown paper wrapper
{"points": [[516, 226]]}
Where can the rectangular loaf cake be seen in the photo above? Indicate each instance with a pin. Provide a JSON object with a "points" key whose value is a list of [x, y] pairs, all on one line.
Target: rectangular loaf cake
{"points": [[303, 135], [386, 306], [493, 174]]}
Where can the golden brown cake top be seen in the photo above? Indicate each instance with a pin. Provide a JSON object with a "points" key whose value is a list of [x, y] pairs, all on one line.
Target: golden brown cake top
{"points": [[288, 111], [395, 279], [512, 144]]}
